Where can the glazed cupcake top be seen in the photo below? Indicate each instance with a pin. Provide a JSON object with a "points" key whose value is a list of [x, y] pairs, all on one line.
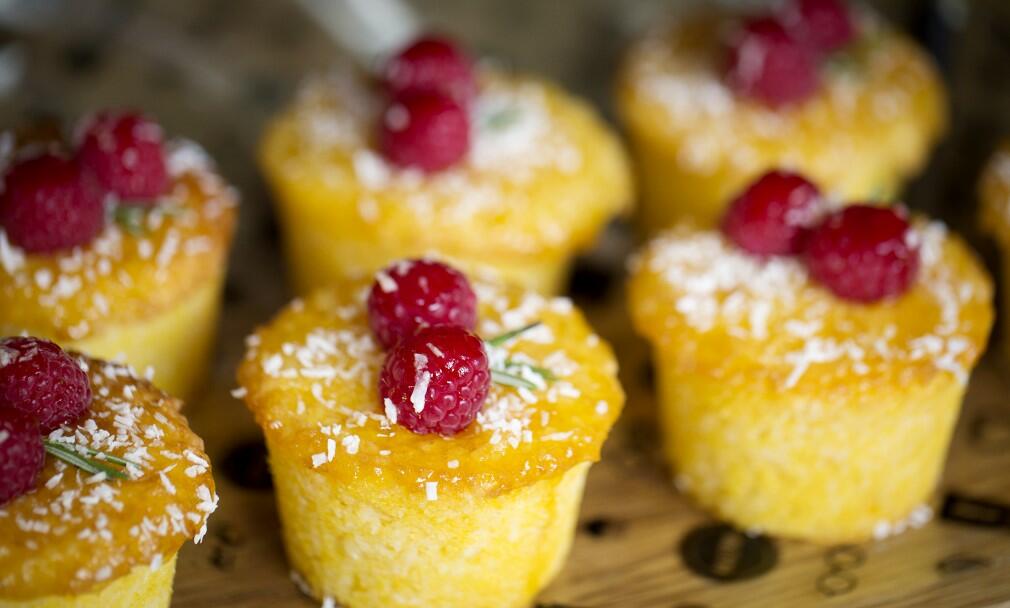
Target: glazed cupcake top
{"points": [[995, 191], [512, 152], [76, 530], [312, 380], [676, 81], [137, 256], [913, 304]]}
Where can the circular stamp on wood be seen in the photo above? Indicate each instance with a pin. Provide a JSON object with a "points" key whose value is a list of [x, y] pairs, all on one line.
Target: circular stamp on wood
{"points": [[722, 553], [962, 562]]}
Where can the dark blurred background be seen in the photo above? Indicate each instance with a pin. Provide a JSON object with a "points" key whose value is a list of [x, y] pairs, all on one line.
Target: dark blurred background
{"points": [[215, 70]]}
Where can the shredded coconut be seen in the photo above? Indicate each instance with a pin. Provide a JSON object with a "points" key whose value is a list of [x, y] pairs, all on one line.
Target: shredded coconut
{"points": [[714, 286]]}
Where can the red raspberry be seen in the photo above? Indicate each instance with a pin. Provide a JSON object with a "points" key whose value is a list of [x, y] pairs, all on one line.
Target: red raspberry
{"points": [[431, 63], [40, 380], [125, 152], [424, 129], [863, 253], [47, 205], [768, 64], [21, 454], [771, 216], [436, 380], [824, 25], [419, 293]]}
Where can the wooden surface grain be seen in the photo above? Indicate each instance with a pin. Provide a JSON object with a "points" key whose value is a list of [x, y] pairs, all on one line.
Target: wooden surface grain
{"points": [[215, 70]]}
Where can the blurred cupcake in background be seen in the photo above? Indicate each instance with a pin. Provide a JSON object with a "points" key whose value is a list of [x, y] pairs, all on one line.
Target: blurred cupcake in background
{"points": [[994, 190], [811, 361], [716, 99], [115, 244], [505, 175]]}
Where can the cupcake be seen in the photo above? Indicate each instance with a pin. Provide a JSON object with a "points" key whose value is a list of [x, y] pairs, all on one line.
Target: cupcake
{"points": [[116, 248], [718, 98], [506, 175], [101, 482], [811, 362], [994, 190], [446, 471]]}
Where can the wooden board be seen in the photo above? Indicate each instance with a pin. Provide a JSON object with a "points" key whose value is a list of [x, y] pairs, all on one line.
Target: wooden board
{"points": [[216, 70]]}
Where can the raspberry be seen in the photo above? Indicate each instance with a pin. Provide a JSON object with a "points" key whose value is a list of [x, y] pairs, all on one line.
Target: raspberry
{"points": [[863, 253], [768, 64], [125, 153], [419, 293], [424, 129], [40, 380], [435, 380], [47, 205], [824, 25], [431, 63], [771, 216], [21, 454]]}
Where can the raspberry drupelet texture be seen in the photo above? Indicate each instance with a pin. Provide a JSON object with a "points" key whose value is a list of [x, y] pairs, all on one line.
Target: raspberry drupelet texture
{"points": [[39, 380], [47, 205], [426, 130], [419, 293], [21, 454], [436, 380], [125, 152], [768, 64], [772, 216], [824, 25], [863, 253], [431, 63]]}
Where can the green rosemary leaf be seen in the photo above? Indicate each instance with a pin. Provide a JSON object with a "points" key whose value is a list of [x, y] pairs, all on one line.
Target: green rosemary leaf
{"points": [[506, 379], [505, 337], [543, 372], [502, 118], [70, 456], [108, 457], [131, 218]]}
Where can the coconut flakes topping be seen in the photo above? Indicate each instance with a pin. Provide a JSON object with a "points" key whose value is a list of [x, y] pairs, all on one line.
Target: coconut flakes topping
{"points": [[714, 286], [69, 287], [421, 382], [89, 511], [510, 418], [685, 79], [514, 141]]}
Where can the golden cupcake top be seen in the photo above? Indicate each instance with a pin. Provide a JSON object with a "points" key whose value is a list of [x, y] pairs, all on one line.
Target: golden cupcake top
{"points": [[720, 311], [76, 530], [677, 80], [995, 193], [312, 379], [144, 256], [515, 153], [809, 294]]}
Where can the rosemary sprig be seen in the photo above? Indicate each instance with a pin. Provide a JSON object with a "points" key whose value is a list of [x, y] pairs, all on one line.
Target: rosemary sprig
{"points": [[504, 378], [502, 118], [123, 462], [504, 375], [131, 217], [543, 372], [505, 337], [71, 456]]}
